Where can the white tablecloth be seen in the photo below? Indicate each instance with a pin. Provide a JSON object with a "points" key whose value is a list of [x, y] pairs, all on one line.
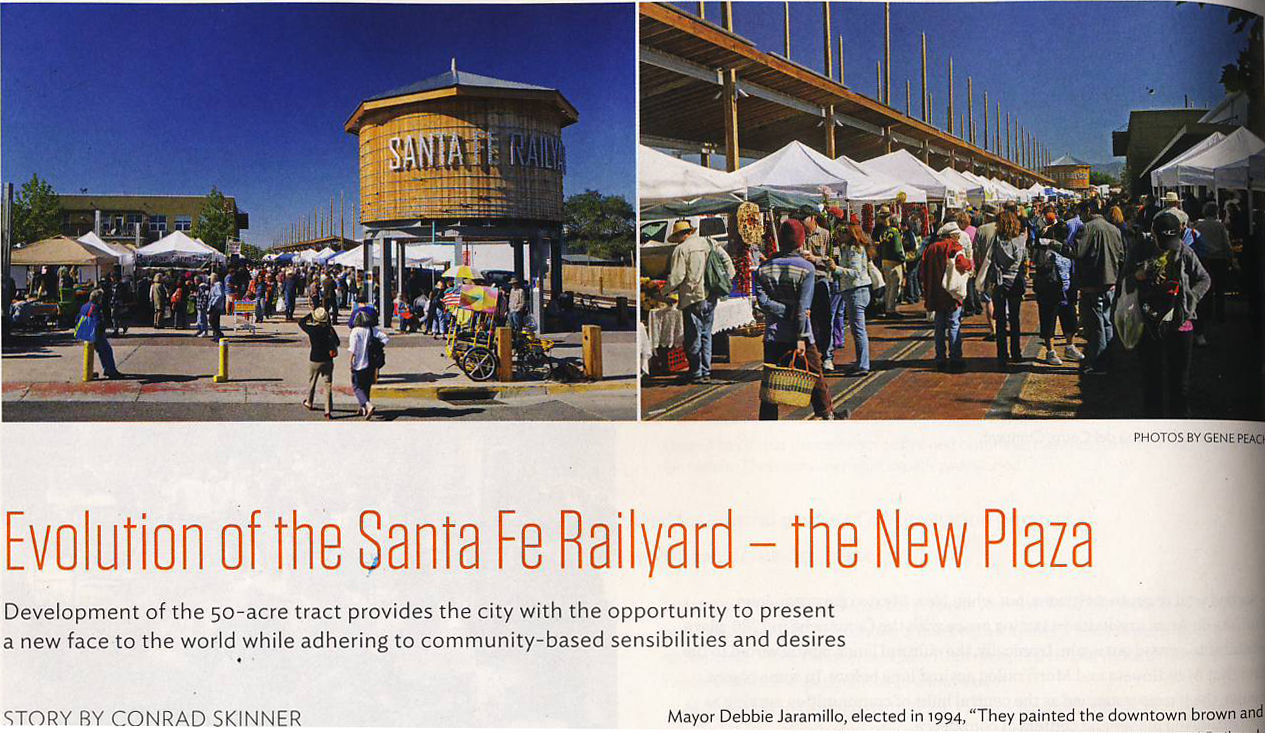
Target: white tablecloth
{"points": [[666, 326]]}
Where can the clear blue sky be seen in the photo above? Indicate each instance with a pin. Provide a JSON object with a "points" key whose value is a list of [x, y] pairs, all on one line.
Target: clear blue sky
{"points": [[252, 98], [1071, 71]]}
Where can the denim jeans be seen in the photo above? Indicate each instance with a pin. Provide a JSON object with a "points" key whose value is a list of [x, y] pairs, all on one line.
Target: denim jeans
{"points": [[838, 324], [1007, 302], [949, 323], [1096, 324], [105, 352], [698, 336], [856, 300], [915, 281]]}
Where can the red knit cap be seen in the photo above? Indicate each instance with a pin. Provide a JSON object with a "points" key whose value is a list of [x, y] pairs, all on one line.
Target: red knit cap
{"points": [[791, 233]]}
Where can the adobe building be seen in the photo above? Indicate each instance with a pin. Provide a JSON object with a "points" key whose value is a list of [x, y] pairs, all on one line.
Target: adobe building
{"points": [[1070, 173], [469, 159], [1148, 133], [115, 217]]}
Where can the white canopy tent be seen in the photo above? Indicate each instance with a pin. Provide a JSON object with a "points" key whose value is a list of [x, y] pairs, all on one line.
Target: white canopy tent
{"points": [[1247, 172], [662, 178], [990, 187], [126, 256], [1166, 175], [871, 186], [178, 249], [415, 255], [976, 193], [1231, 156], [795, 167], [1007, 192], [903, 166]]}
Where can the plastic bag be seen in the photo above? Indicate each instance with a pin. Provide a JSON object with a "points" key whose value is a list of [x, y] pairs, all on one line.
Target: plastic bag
{"points": [[1128, 318]]}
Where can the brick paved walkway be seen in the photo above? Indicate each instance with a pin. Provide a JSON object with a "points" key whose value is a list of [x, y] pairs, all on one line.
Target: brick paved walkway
{"points": [[904, 384]]}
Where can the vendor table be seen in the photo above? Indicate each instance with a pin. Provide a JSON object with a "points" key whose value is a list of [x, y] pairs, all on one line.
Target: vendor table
{"points": [[666, 326]]}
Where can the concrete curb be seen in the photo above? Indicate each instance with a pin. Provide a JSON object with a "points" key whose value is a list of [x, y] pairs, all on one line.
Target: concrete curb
{"points": [[496, 391]]}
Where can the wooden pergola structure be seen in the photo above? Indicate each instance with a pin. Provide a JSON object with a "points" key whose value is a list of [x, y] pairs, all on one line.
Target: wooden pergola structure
{"points": [[707, 90]]}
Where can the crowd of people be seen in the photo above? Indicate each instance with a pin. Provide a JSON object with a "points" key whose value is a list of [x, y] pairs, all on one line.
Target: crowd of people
{"points": [[189, 299], [1167, 263]]}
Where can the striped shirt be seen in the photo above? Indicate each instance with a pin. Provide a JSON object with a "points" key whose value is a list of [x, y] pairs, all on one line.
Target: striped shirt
{"points": [[784, 291]]}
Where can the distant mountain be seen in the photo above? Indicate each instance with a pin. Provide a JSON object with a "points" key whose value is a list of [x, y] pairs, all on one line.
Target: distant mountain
{"points": [[1111, 169]]}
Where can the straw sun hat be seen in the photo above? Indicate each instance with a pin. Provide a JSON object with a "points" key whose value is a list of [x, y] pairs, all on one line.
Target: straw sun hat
{"points": [[681, 230]]}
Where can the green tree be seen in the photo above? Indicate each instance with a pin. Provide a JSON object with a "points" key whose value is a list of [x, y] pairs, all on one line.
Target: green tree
{"points": [[37, 211], [1099, 178], [601, 226], [251, 252], [217, 221]]}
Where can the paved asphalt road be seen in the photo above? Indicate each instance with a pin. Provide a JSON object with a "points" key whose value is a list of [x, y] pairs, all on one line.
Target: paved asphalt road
{"points": [[618, 405]]}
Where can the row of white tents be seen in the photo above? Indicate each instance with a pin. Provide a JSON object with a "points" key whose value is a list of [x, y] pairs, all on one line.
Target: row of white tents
{"points": [[1219, 161], [798, 168], [94, 257], [415, 255]]}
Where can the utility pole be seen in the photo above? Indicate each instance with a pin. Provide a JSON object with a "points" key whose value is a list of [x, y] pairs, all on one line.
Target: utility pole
{"points": [[950, 110]]}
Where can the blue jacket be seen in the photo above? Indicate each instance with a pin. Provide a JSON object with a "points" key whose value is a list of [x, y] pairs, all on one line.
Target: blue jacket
{"points": [[219, 296]]}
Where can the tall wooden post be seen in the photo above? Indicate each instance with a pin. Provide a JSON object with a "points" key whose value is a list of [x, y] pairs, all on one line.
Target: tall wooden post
{"points": [[786, 29], [730, 99], [841, 58], [970, 109], [907, 94], [926, 100], [1008, 136], [997, 128], [950, 123], [830, 132], [931, 108], [727, 16], [887, 53], [702, 10], [829, 63], [988, 143], [878, 81]]}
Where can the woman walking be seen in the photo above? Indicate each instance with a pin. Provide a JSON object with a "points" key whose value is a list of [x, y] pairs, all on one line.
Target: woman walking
{"points": [[324, 347], [945, 306], [1008, 263], [367, 357], [852, 275]]}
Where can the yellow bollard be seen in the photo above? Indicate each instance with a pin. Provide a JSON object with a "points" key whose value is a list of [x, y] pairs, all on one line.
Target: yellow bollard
{"points": [[591, 349], [504, 354], [88, 357], [222, 376]]}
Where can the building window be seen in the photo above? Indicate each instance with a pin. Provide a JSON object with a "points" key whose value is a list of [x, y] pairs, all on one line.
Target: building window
{"points": [[184, 223], [158, 223]]}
